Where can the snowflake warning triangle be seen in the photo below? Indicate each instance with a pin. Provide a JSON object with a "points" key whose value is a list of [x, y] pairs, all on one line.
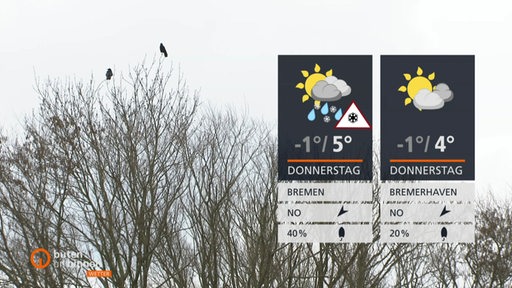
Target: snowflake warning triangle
{"points": [[353, 119]]}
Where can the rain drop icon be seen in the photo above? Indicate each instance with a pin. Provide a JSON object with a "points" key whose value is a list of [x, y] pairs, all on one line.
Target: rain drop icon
{"points": [[341, 233], [444, 233], [338, 114], [325, 109], [311, 115]]}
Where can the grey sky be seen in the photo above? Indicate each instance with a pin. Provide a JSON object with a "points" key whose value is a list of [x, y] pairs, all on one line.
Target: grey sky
{"points": [[228, 49]]}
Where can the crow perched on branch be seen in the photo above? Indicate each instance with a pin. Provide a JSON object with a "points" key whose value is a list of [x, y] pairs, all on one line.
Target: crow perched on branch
{"points": [[162, 49], [109, 74]]}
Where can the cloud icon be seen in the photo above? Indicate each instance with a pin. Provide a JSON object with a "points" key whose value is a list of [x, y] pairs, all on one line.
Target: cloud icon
{"points": [[330, 89], [426, 100], [444, 91]]}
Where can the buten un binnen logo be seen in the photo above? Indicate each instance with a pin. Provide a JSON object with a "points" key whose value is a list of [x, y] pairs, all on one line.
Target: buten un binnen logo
{"points": [[38, 263], [41, 258]]}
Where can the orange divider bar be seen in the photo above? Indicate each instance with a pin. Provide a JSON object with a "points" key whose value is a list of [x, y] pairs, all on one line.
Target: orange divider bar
{"points": [[325, 160], [427, 160]]}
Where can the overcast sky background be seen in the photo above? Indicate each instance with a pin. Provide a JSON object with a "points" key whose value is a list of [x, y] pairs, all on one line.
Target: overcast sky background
{"points": [[228, 49]]}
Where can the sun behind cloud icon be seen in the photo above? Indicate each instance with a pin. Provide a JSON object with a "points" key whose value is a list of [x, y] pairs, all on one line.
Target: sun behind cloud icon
{"points": [[323, 88], [311, 80], [423, 94]]}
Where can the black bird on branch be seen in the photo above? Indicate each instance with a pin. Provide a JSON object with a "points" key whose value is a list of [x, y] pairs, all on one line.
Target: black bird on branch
{"points": [[162, 49], [109, 74]]}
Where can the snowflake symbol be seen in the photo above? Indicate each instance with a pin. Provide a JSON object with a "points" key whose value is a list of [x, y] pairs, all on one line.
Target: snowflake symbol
{"points": [[352, 117]]}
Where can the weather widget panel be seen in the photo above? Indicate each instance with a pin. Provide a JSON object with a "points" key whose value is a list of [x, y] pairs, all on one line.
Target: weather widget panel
{"points": [[326, 212], [427, 117], [427, 148], [325, 116], [427, 212]]}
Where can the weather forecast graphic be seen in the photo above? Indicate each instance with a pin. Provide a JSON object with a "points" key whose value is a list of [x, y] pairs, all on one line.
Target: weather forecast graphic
{"points": [[423, 94], [440, 129], [323, 88], [433, 142], [325, 105], [316, 148]]}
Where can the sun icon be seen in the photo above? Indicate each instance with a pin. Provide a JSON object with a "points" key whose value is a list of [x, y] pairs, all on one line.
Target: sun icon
{"points": [[311, 80], [416, 84]]}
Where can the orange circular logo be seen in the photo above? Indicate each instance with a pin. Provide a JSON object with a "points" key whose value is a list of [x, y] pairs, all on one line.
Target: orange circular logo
{"points": [[40, 264]]}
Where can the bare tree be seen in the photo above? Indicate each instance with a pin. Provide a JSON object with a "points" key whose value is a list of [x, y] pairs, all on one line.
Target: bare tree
{"points": [[141, 182], [223, 157], [115, 158], [490, 258], [33, 196], [446, 263]]}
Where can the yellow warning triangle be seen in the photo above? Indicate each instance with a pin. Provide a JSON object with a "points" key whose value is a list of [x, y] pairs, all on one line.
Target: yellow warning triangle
{"points": [[353, 118]]}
